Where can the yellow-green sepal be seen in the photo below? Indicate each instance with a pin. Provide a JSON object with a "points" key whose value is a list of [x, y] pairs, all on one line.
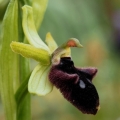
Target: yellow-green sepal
{"points": [[30, 29], [39, 83], [30, 51]]}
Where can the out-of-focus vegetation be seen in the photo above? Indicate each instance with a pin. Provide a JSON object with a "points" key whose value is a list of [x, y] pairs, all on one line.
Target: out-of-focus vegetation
{"points": [[96, 23]]}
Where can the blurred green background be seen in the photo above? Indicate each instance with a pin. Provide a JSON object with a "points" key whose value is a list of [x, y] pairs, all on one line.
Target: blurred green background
{"points": [[96, 23]]}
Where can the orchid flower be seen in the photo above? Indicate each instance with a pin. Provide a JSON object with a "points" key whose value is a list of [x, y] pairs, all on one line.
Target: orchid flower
{"points": [[56, 68]]}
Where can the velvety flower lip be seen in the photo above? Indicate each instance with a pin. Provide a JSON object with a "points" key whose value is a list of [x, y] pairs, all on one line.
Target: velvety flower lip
{"points": [[76, 85]]}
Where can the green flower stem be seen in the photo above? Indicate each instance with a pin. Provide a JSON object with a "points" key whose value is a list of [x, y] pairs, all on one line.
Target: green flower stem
{"points": [[22, 95], [9, 61], [23, 105], [22, 90], [29, 51], [20, 29]]}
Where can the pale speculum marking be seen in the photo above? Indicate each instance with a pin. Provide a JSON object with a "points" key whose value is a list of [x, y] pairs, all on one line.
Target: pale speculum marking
{"points": [[82, 84]]}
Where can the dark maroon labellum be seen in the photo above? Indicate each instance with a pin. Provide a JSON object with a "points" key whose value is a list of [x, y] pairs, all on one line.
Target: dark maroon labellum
{"points": [[76, 85]]}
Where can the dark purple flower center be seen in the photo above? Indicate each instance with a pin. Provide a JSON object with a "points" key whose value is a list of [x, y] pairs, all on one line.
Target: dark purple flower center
{"points": [[76, 85], [67, 65]]}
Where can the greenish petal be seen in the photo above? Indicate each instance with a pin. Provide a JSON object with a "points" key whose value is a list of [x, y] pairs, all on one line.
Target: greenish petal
{"points": [[39, 8], [29, 51], [38, 82], [51, 42], [30, 30]]}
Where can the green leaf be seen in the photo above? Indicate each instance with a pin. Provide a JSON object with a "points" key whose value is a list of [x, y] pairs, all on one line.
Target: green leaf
{"points": [[30, 30], [9, 61], [39, 8], [38, 82], [22, 95]]}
